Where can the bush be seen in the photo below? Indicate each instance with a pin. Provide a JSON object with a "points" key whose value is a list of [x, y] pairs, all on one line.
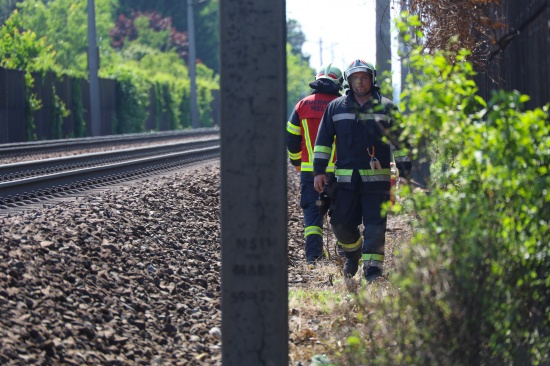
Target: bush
{"points": [[132, 93], [473, 287]]}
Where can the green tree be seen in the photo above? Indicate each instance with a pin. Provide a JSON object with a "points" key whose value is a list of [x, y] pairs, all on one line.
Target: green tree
{"points": [[157, 39], [299, 75], [150, 30], [176, 9], [22, 49], [296, 38], [206, 20], [64, 24], [147, 63]]}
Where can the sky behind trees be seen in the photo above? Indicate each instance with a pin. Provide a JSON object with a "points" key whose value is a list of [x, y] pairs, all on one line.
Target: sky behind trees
{"points": [[343, 30]]}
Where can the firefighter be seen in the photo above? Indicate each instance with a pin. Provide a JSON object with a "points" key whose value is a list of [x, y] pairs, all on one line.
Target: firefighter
{"points": [[301, 134], [362, 123]]}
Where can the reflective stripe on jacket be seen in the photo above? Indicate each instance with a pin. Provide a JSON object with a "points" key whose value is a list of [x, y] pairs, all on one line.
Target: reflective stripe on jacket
{"points": [[363, 134]]}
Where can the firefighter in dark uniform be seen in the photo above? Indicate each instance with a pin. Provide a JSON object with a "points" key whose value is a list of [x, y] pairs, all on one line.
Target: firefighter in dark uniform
{"points": [[301, 134], [366, 143]]}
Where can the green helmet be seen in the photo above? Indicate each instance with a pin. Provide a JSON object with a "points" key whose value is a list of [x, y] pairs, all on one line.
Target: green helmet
{"points": [[331, 73], [360, 66]]}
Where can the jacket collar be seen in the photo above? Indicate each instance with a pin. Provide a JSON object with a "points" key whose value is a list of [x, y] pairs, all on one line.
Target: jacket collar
{"points": [[325, 87]]}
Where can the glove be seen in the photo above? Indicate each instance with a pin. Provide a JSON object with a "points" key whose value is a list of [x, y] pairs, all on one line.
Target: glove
{"points": [[323, 202]]}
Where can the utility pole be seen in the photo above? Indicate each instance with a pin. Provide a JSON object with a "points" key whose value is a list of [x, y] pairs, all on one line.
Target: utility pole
{"points": [[383, 36], [93, 66], [253, 197], [192, 66]]}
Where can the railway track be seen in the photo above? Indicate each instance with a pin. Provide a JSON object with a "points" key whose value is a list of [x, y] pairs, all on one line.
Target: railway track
{"points": [[75, 144], [31, 182]]}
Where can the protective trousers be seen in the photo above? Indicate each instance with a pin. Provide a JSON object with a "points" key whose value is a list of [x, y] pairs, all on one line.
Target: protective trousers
{"points": [[313, 221], [358, 203]]}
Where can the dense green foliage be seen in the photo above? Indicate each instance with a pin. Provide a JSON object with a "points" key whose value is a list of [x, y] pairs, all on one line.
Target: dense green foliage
{"points": [[132, 99], [206, 21], [473, 287], [64, 25], [23, 49], [142, 45], [150, 30], [52, 36]]}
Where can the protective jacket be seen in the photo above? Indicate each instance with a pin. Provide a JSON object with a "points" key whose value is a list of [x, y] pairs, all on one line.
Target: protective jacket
{"points": [[364, 134], [301, 134], [304, 123]]}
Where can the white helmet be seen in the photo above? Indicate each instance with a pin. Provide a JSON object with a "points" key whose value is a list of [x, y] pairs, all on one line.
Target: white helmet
{"points": [[331, 73]]}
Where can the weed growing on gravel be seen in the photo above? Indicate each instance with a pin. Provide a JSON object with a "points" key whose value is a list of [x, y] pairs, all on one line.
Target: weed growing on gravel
{"points": [[322, 299]]}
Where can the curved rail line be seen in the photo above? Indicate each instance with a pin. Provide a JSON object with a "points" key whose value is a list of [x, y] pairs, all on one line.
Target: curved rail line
{"points": [[39, 180]]}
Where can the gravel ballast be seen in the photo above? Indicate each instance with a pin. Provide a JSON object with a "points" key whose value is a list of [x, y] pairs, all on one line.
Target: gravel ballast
{"points": [[129, 276], [123, 277]]}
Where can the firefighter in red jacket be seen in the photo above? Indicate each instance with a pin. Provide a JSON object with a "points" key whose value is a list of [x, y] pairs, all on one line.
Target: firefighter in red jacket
{"points": [[301, 134], [363, 123]]}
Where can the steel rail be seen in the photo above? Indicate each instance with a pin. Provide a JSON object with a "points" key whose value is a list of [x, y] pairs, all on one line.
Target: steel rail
{"points": [[40, 147], [22, 170], [30, 188]]}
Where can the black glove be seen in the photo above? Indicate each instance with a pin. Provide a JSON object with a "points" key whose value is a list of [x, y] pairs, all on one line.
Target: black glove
{"points": [[323, 202]]}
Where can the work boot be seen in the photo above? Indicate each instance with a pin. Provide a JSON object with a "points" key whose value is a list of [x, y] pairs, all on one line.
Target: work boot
{"points": [[351, 266], [372, 273]]}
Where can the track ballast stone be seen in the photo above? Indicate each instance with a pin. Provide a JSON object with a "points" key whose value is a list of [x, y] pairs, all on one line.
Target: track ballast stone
{"points": [[131, 276], [122, 277]]}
